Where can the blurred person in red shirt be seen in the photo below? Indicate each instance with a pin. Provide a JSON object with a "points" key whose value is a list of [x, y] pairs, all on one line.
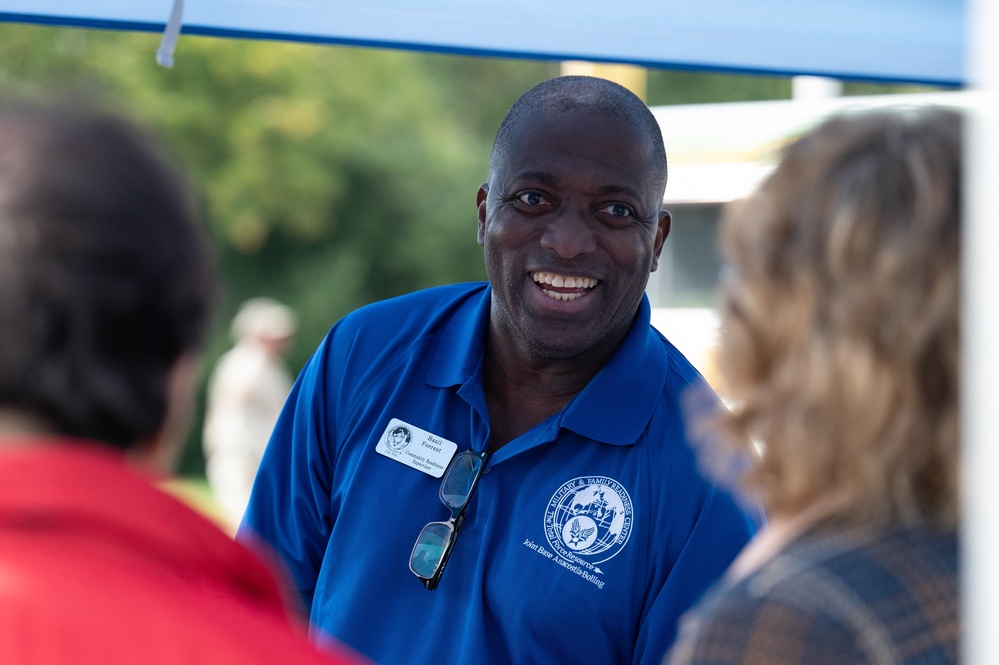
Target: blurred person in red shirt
{"points": [[107, 286]]}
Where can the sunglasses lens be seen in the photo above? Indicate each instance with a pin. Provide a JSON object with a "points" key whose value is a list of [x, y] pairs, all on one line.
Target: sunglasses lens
{"points": [[459, 480], [429, 550], [437, 538]]}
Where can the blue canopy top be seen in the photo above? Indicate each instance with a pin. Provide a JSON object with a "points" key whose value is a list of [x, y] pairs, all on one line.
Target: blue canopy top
{"points": [[920, 41]]}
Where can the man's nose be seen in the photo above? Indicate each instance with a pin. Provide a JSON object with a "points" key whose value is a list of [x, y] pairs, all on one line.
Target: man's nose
{"points": [[569, 233]]}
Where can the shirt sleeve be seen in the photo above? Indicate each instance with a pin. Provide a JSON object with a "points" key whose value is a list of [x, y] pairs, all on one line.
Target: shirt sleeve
{"points": [[290, 505], [720, 531]]}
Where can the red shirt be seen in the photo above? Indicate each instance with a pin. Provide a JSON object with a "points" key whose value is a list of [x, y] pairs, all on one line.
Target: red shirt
{"points": [[97, 565]]}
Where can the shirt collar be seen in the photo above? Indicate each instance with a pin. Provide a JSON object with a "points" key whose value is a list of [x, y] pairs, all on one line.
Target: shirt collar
{"points": [[461, 345], [617, 404]]}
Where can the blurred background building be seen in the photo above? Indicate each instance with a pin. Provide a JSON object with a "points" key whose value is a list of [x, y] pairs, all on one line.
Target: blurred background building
{"points": [[719, 153]]}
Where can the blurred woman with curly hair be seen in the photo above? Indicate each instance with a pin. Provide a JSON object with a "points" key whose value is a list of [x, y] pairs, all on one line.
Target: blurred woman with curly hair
{"points": [[839, 346]]}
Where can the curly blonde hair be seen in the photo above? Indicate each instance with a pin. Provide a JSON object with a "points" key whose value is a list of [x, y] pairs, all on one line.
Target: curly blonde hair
{"points": [[840, 320]]}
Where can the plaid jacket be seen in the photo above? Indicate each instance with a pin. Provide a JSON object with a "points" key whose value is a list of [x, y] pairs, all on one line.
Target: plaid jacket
{"points": [[843, 597]]}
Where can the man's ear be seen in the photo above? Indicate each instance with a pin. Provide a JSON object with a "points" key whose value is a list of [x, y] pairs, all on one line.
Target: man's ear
{"points": [[662, 232], [480, 204]]}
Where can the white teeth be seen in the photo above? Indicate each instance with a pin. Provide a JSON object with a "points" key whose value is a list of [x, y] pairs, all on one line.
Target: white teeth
{"points": [[562, 281], [561, 296]]}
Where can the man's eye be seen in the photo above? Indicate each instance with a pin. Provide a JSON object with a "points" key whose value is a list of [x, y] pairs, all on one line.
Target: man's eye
{"points": [[533, 199], [618, 210]]}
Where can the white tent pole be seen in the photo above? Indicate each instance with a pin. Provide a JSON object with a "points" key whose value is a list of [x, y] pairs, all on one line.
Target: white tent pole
{"points": [[815, 87], [164, 54], [980, 418]]}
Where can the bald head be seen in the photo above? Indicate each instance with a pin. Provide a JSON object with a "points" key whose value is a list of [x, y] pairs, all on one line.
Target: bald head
{"points": [[586, 94]]}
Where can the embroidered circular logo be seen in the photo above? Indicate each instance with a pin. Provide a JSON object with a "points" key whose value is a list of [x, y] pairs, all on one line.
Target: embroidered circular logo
{"points": [[398, 438], [589, 519]]}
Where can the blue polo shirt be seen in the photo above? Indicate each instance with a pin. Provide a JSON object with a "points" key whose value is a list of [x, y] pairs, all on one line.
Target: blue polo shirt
{"points": [[586, 539]]}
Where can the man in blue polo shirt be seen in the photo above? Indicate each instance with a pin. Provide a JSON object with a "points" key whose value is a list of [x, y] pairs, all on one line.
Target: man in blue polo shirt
{"points": [[500, 472]]}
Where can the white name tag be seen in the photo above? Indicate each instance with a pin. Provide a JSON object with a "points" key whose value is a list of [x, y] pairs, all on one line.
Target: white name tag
{"points": [[415, 447]]}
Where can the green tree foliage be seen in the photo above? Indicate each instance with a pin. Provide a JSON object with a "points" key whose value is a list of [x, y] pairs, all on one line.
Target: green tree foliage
{"points": [[330, 177], [694, 87]]}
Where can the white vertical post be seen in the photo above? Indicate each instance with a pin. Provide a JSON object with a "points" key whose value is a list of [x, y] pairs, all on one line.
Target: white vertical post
{"points": [[980, 361], [815, 87]]}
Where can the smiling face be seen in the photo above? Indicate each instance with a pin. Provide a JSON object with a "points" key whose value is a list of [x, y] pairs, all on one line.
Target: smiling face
{"points": [[571, 225]]}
